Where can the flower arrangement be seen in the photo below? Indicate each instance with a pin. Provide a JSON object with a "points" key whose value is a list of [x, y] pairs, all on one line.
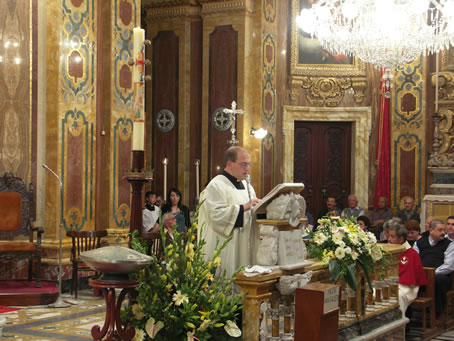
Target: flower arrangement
{"points": [[180, 298], [342, 244]]}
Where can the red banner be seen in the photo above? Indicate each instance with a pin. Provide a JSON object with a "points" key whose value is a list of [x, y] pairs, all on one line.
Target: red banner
{"points": [[383, 155]]}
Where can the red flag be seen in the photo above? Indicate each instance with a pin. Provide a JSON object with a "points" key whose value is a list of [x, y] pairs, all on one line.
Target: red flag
{"points": [[383, 155]]}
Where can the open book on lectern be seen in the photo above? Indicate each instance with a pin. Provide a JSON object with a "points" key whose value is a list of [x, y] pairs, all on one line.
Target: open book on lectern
{"points": [[285, 187]]}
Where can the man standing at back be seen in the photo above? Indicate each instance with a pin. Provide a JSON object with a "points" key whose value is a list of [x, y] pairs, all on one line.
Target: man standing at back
{"points": [[437, 252], [226, 212]]}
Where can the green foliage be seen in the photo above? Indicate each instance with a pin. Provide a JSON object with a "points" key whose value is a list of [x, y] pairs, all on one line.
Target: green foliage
{"points": [[180, 297]]}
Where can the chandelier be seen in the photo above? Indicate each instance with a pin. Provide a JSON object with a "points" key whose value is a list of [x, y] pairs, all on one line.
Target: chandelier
{"points": [[386, 33]]}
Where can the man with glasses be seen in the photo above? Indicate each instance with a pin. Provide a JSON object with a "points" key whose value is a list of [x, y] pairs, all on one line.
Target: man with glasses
{"points": [[226, 212]]}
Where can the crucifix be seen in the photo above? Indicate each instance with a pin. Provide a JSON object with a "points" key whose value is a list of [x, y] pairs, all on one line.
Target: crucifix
{"points": [[233, 111]]}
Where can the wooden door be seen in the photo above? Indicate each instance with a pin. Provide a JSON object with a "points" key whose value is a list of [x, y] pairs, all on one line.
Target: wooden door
{"points": [[322, 162]]}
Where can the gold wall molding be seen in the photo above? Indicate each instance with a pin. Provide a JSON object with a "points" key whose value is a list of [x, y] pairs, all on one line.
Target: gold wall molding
{"points": [[168, 3], [210, 7], [176, 11], [359, 86]]}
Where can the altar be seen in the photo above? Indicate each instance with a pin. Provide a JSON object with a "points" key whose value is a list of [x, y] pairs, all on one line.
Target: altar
{"points": [[363, 315]]}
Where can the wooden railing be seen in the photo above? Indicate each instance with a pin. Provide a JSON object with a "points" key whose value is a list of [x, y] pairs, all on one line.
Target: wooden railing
{"points": [[262, 296]]}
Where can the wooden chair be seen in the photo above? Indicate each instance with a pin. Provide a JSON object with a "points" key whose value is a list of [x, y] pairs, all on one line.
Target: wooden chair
{"points": [[154, 241], [449, 309], [426, 299], [15, 221], [82, 241]]}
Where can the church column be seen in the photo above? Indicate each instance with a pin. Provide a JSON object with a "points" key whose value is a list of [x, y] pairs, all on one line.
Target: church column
{"points": [[70, 122], [115, 114], [231, 71], [89, 118], [173, 97]]}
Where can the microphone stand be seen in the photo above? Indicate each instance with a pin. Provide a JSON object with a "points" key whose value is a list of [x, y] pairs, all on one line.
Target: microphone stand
{"points": [[248, 180], [59, 303]]}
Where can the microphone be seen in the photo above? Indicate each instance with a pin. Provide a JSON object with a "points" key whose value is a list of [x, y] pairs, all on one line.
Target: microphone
{"points": [[248, 181], [53, 173]]}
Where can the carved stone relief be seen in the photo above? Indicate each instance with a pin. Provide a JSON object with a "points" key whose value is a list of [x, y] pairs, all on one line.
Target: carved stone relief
{"points": [[328, 91], [443, 138]]}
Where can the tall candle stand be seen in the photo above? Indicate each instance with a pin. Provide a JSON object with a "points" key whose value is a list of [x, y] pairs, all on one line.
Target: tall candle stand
{"points": [[137, 177]]}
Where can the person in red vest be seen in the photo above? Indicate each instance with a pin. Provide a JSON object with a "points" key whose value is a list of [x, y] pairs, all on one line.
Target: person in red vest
{"points": [[411, 272]]}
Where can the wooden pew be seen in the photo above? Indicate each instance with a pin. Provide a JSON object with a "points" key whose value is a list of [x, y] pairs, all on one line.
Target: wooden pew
{"points": [[424, 301]]}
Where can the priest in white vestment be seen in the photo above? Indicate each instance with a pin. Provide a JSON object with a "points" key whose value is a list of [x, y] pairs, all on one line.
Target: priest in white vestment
{"points": [[226, 211]]}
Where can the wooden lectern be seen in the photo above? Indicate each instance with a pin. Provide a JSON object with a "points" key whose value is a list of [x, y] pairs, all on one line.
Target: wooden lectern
{"points": [[317, 312]]}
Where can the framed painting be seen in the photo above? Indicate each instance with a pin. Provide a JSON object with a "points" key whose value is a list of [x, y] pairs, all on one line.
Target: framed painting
{"points": [[309, 58]]}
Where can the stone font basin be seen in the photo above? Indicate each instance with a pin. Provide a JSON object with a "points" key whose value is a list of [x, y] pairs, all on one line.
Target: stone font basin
{"points": [[115, 262]]}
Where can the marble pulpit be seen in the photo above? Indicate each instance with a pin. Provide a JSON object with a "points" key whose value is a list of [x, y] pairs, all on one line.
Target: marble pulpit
{"points": [[281, 235]]}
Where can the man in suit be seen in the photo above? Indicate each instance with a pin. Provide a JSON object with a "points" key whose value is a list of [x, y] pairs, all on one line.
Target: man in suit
{"points": [[437, 252]]}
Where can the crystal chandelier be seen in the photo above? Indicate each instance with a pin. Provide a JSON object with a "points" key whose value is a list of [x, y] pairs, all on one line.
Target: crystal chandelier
{"points": [[386, 33]]}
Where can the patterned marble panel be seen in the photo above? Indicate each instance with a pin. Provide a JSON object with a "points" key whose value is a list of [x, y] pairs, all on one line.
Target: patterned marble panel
{"points": [[125, 16], [408, 120], [15, 76], [268, 93], [78, 112]]}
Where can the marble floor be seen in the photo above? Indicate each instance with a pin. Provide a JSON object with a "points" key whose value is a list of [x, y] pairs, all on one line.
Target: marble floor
{"points": [[51, 324], [41, 323]]}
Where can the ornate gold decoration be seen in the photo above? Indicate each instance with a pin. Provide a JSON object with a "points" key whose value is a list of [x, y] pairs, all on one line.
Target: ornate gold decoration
{"points": [[212, 7], [326, 91], [176, 11], [359, 86], [443, 146], [357, 68], [139, 174], [446, 88]]}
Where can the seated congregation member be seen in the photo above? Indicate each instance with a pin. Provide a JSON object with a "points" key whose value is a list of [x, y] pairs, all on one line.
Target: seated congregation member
{"points": [[363, 222], [408, 213], [180, 211], [310, 220], [329, 205], [411, 272], [169, 222], [150, 213], [353, 210], [384, 235], [450, 228], [437, 252], [380, 215], [334, 212], [413, 231], [159, 201]]}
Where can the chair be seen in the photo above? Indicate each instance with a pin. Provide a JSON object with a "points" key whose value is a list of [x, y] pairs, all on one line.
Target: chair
{"points": [[82, 241], [16, 220], [426, 299], [154, 241], [449, 309]]}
